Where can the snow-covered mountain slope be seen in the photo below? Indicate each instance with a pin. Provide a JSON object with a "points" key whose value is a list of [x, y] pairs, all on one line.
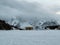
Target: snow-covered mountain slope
{"points": [[17, 37]]}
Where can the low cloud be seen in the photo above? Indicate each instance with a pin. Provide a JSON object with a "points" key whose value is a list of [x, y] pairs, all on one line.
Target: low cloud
{"points": [[26, 9]]}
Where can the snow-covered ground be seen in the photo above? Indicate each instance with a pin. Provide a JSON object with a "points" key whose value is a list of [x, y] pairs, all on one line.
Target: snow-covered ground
{"points": [[17, 37]]}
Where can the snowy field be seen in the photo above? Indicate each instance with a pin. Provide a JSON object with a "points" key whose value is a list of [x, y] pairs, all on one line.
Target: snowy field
{"points": [[17, 37]]}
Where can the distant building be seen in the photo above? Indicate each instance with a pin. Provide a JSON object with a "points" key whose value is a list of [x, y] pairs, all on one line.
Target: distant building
{"points": [[26, 26]]}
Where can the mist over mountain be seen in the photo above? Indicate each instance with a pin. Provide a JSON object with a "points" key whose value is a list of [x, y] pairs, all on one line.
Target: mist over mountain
{"points": [[27, 10]]}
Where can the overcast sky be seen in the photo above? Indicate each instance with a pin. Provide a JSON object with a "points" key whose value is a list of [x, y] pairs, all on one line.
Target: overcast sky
{"points": [[30, 8]]}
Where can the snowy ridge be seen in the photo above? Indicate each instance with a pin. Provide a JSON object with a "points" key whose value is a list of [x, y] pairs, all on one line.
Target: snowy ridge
{"points": [[34, 23]]}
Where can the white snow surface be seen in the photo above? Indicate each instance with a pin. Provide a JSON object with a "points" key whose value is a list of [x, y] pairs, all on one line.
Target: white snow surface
{"points": [[17, 37]]}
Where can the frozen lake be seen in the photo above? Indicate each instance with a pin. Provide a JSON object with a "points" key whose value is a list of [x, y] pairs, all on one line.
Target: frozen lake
{"points": [[17, 37]]}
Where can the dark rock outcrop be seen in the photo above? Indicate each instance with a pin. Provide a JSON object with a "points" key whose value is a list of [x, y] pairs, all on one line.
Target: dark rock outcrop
{"points": [[4, 25], [53, 27]]}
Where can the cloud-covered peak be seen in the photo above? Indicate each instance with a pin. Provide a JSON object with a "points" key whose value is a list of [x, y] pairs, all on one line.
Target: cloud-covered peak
{"points": [[26, 9]]}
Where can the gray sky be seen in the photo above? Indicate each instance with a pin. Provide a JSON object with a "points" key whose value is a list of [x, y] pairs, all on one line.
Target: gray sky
{"points": [[30, 8]]}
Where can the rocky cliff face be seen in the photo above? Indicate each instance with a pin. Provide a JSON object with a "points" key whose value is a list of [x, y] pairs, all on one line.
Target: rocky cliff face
{"points": [[4, 25]]}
